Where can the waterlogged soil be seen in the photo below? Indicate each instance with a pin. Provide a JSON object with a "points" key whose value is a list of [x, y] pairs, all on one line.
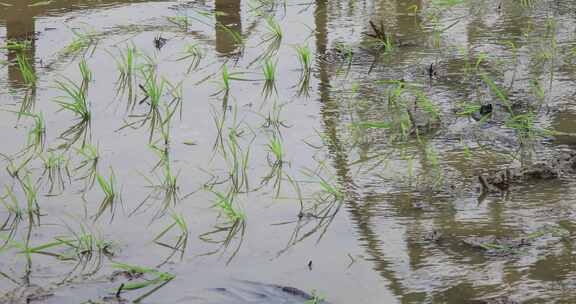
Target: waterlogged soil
{"points": [[405, 151]]}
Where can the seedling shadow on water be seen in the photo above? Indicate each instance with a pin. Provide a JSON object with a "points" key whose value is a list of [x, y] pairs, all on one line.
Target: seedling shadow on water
{"points": [[316, 213]]}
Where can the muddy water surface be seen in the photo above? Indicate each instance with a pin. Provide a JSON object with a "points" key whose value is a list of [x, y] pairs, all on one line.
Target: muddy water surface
{"points": [[374, 196]]}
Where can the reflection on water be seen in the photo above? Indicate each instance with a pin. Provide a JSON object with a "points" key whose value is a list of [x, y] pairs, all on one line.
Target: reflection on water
{"points": [[414, 232], [228, 24]]}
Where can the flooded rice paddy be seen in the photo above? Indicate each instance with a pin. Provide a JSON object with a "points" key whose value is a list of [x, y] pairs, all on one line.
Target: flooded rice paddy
{"points": [[264, 151]]}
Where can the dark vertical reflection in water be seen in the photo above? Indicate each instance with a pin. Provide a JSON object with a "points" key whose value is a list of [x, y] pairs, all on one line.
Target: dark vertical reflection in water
{"points": [[20, 27], [330, 117], [228, 21]]}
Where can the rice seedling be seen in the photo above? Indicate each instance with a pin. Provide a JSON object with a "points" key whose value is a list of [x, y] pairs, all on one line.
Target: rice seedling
{"points": [[227, 78], [32, 212], [274, 29], [325, 205], [432, 166], [86, 40], [126, 64], [238, 169], [15, 212], [150, 277], [153, 90], [273, 121], [181, 243], [31, 194], [380, 39], [269, 72], [88, 164], [276, 162], [84, 246], [183, 22], [231, 230], [538, 91], [164, 189], [86, 74], [74, 100], [524, 125], [28, 101], [468, 109], [193, 53], [427, 106], [345, 51], [28, 75], [111, 196], [227, 143], [304, 55], [316, 298], [17, 45], [303, 85], [225, 203], [272, 39], [233, 226], [36, 137], [497, 91], [13, 168], [55, 168], [526, 3]]}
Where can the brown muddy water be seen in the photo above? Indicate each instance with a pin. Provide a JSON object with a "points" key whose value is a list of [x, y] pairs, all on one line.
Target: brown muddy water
{"points": [[171, 171]]}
